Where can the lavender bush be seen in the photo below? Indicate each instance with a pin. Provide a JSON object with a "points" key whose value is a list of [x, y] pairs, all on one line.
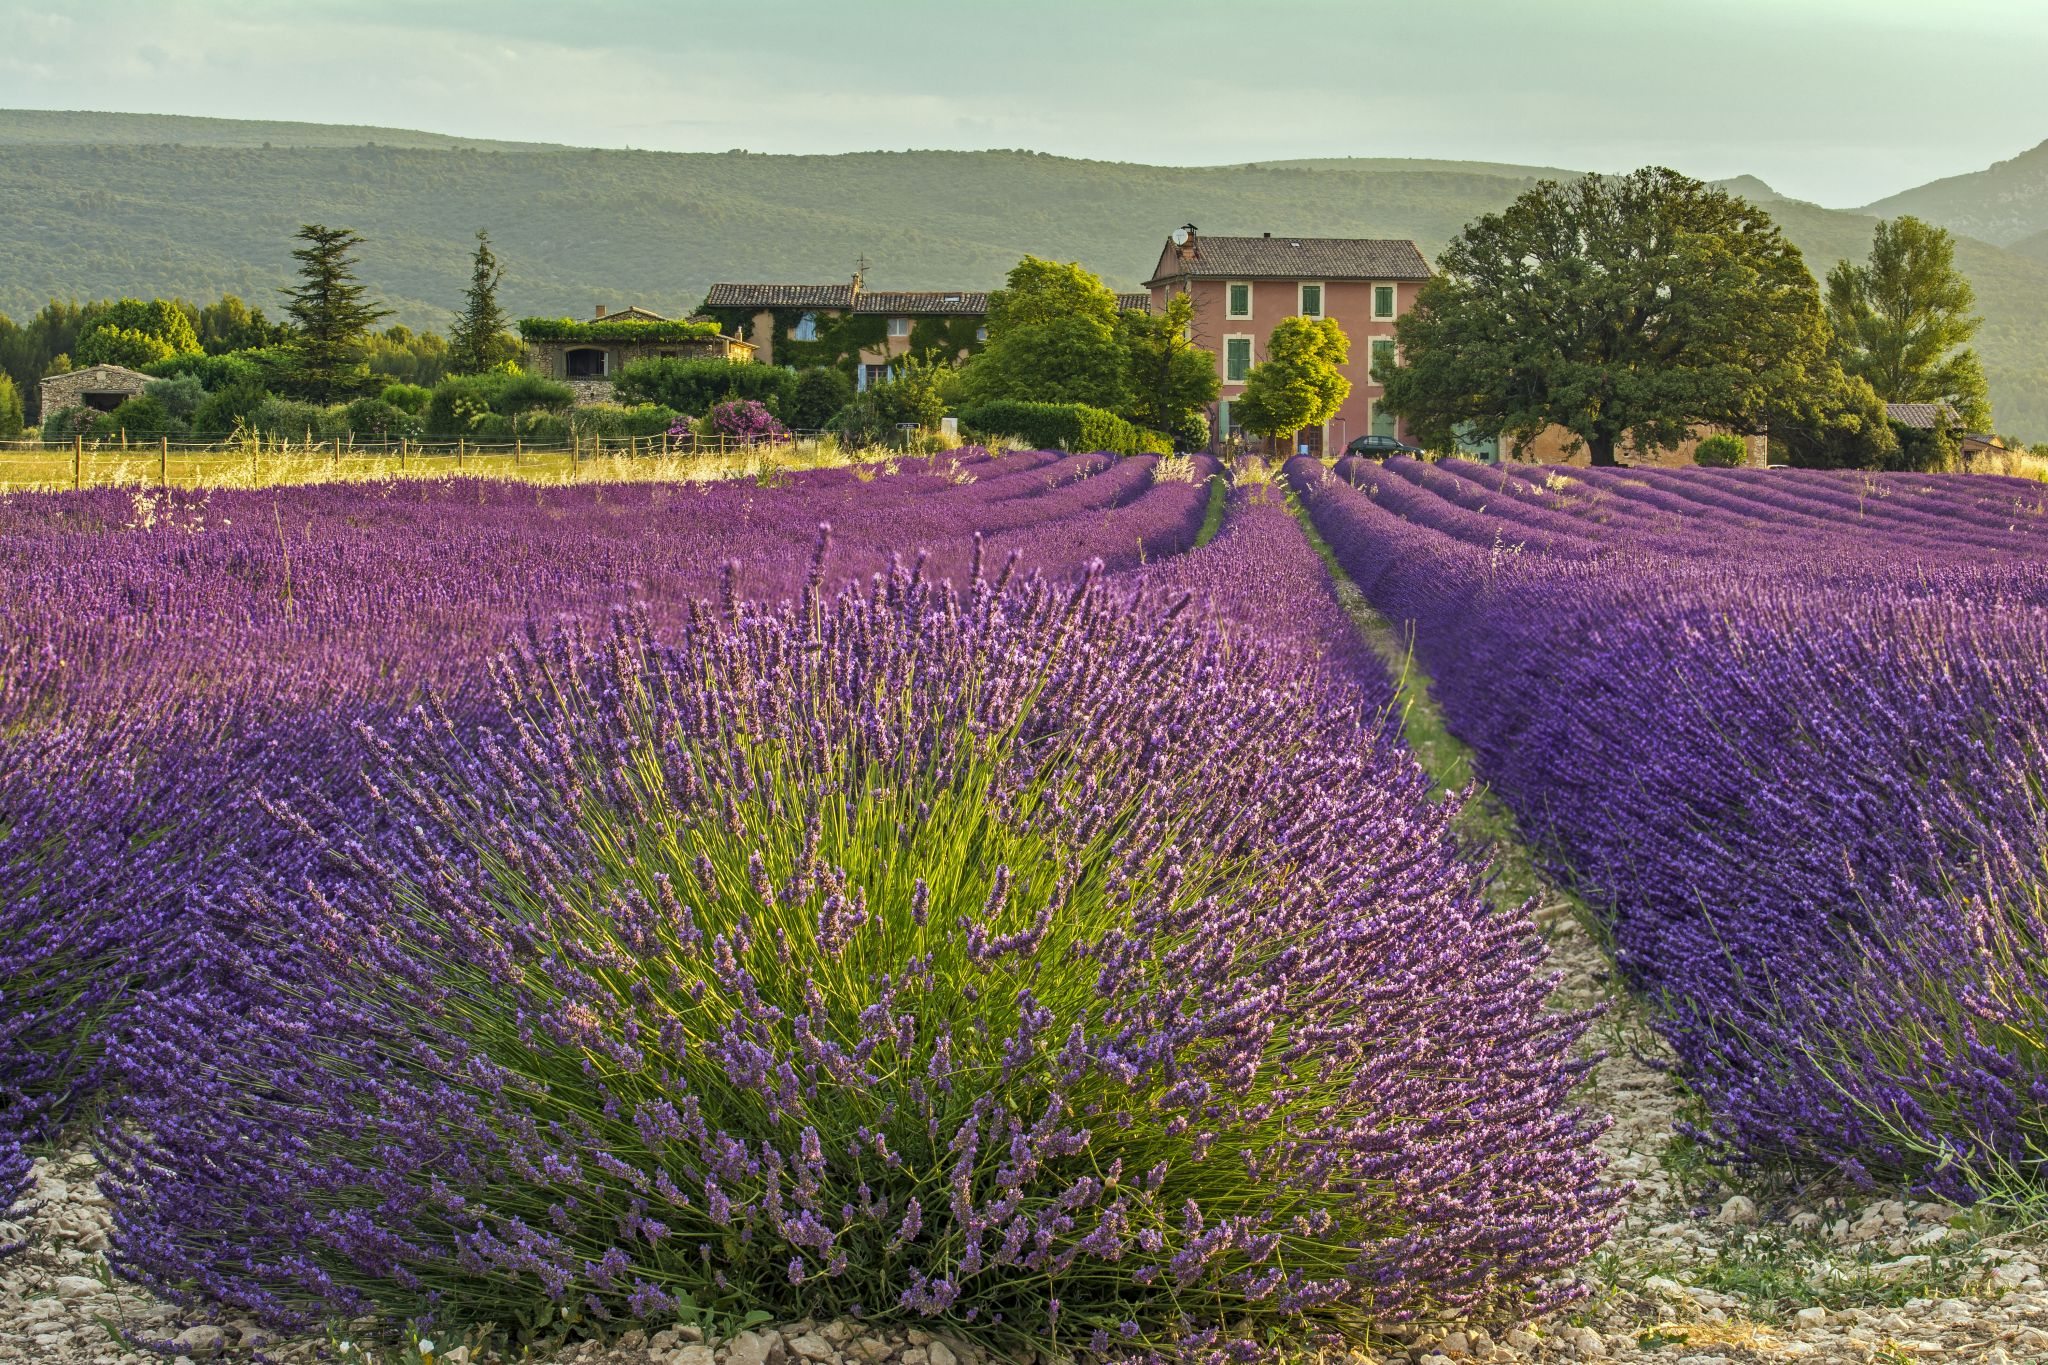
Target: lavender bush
{"points": [[1787, 734], [17, 1178], [1010, 958]]}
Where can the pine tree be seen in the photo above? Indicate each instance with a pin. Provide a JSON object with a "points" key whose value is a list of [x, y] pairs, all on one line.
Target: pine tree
{"points": [[479, 341], [329, 316]]}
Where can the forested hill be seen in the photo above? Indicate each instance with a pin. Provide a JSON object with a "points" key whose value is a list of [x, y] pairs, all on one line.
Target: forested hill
{"points": [[107, 204]]}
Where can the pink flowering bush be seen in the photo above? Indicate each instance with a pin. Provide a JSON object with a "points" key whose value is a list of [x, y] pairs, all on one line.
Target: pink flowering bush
{"points": [[744, 419]]}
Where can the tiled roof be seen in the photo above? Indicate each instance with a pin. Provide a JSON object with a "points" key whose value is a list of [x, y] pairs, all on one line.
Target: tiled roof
{"points": [[838, 296], [929, 302], [1134, 303], [635, 313], [1923, 416], [1299, 258]]}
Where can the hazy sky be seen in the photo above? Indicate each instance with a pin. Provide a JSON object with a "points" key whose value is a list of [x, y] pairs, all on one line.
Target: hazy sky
{"points": [[1839, 101]]}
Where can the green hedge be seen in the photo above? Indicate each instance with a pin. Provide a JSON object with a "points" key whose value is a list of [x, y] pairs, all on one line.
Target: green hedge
{"points": [[696, 385], [1063, 426], [622, 329]]}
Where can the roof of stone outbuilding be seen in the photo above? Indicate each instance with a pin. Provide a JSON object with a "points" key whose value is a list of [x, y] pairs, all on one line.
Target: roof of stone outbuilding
{"points": [[1297, 258], [1923, 416], [929, 302], [1134, 303], [838, 296], [121, 372]]}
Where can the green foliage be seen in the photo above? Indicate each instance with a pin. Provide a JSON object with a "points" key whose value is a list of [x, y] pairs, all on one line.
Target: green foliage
{"points": [[1171, 380], [219, 371], [1902, 319], [408, 398], [863, 421], [1053, 337], [461, 404], [479, 341], [401, 355], [12, 415], [1062, 426], [1922, 449], [614, 419], [231, 325], [693, 386], [615, 329], [231, 407], [142, 416], [291, 419], [817, 395], [375, 418], [1720, 451], [1644, 304], [523, 392], [1837, 423], [63, 424], [180, 396], [1299, 383], [135, 333], [946, 340], [330, 316]]}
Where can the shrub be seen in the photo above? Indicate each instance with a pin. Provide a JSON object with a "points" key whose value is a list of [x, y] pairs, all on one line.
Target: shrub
{"points": [[143, 415], [289, 418], [231, 407], [816, 397], [612, 419], [862, 422], [373, 417], [409, 398], [693, 386], [180, 397], [1721, 451], [522, 391], [745, 421], [1063, 426], [864, 992], [216, 372], [11, 416], [65, 423], [461, 403]]}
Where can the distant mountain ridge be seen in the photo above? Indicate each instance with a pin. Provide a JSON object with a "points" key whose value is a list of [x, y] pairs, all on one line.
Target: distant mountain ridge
{"points": [[101, 205], [2002, 204]]}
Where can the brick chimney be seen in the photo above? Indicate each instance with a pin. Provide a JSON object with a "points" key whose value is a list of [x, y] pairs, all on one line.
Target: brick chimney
{"points": [[600, 310], [1187, 248]]}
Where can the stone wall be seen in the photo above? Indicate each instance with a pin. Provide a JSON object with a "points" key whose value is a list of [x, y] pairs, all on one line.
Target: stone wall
{"points": [[108, 384]]}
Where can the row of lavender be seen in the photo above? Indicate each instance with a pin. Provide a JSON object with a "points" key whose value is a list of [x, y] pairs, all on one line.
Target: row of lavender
{"points": [[1067, 960], [1788, 735]]}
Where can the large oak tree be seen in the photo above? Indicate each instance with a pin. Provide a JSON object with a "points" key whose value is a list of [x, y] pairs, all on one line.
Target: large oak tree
{"points": [[1640, 305]]}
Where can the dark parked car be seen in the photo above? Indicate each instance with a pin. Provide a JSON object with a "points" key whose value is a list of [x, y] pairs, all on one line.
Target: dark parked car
{"points": [[1380, 447]]}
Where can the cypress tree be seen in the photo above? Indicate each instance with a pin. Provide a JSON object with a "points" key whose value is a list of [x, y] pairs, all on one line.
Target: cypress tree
{"points": [[478, 341], [329, 315]]}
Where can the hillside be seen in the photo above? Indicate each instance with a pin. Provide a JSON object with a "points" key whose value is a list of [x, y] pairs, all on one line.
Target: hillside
{"points": [[103, 204], [2002, 203]]}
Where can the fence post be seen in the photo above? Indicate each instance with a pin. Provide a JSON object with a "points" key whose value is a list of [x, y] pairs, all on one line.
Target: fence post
{"points": [[517, 445], [163, 461], [77, 463], [401, 454], [460, 441]]}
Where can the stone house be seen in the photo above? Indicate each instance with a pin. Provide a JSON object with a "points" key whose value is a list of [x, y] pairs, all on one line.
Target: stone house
{"points": [[588, 355], [1243, 286], [100, 387], [805, 306]]}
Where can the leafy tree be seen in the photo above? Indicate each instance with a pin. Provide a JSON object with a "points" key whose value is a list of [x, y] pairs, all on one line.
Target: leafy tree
{"points": [[144, 416], [480, 339], [1171, 380], [401, 355], [231, 325], [231, 407], [1901, 320], [1299, 383], [819, 393], [134, 333], [1835, 422], [11, 414], [180, 396], [1644, 304], [1052, 337], [329, 315]]}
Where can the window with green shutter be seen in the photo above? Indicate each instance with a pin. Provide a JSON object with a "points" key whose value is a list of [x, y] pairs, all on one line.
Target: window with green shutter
{"points": [[1383, 300], [1240, 301], [1237, 358], [1311, 300], [1382, 354]]}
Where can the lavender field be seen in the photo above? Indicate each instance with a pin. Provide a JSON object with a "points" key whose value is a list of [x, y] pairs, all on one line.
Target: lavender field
{"points": [[992, 895]]}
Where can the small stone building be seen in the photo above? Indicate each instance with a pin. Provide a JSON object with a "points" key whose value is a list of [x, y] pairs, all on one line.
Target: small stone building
{"points": [[99, 387], [587, 356]]}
